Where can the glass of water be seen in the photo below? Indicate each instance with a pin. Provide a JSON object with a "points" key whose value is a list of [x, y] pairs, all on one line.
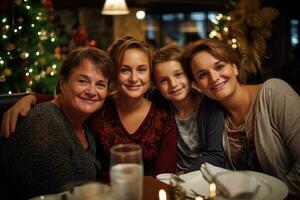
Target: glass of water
{"points": [[126, 171]]}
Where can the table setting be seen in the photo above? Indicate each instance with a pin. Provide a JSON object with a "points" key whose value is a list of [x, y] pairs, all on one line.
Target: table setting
{"points": [[212, 182], [209, 182]]}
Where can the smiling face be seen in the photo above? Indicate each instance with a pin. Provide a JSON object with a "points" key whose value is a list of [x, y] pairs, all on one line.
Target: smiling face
{"points": [[217, 79], [133, 76], [85, 89], [171, 80]]}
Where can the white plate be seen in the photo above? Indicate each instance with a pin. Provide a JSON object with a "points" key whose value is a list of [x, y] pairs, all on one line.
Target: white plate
{"points": [[269, 186]]}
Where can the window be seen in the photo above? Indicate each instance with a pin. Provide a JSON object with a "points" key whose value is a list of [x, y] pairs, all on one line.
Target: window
{"points": [[181, 28]]}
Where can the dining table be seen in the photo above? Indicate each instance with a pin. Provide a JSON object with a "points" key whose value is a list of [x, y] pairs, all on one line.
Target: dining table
{"points": [[152, 187]]}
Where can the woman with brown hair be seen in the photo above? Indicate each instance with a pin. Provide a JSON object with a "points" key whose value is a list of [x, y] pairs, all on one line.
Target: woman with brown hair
{"points": [[262, 130], [127, 116], [52, 149]]}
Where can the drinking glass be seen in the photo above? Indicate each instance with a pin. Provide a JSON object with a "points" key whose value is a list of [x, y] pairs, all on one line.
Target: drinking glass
{"points": [[126, 171]]}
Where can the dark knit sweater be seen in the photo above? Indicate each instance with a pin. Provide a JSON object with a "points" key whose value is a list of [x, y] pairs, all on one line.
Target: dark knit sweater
{"points": [[44, 155]]}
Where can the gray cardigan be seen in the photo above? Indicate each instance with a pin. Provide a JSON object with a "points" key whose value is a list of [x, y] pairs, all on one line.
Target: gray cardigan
{"points": [[44, 155], [276, 127]]}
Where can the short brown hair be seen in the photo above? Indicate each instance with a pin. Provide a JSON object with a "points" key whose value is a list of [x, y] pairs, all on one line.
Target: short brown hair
{"points": [[99, 57], [167, 53], [117, 49], [171, 52]]}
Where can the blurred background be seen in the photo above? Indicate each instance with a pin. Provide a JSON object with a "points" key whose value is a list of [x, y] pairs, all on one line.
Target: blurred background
{"points": [[37, 34]]}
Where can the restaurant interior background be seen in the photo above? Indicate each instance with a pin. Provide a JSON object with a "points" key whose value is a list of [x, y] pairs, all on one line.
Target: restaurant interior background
{"points": [[80, 23]]}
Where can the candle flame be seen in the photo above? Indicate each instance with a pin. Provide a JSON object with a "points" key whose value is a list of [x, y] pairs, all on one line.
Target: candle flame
{"points": [[212, 190], [162, 194]]}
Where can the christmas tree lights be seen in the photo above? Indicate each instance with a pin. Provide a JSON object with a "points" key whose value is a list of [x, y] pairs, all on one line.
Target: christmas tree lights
{"points": [[29, 58]]}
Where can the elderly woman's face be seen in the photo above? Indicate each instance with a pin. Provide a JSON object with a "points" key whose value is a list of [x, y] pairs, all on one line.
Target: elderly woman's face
{"points": [[85, 90]]}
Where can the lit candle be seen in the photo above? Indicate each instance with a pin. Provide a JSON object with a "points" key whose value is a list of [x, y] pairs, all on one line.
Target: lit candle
{"points": [[199, 198], [162, 194], [212, 190]]}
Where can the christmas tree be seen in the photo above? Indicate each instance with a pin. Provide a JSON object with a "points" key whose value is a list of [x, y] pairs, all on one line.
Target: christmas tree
{"points": [[30, 54]]}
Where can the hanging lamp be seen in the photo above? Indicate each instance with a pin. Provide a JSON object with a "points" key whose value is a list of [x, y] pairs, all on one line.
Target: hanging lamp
{"points": [[115, 7]]}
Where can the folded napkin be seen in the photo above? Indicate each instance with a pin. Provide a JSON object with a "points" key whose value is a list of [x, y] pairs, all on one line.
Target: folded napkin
{"points": [[230, 183]]}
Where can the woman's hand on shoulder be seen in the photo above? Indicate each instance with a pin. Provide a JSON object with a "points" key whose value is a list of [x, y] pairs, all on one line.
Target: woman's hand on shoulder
{"points": [[10, 117]]}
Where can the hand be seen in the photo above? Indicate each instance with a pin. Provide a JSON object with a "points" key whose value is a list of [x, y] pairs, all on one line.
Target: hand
{"points": [[10, 117]]}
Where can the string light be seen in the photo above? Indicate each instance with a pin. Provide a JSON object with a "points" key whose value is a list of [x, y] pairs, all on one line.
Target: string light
{"points": [[221, 30], [16, 46]]}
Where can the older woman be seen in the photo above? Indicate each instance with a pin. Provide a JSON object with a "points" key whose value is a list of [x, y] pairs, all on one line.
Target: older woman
{"points": [[52, 149], [262, 130], [127, 115]]}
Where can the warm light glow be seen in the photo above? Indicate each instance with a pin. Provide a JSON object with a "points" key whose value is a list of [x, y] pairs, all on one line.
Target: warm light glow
{"points": [[140, 14], [115, 7], [162, 194], [199, 198], [212, 190]]}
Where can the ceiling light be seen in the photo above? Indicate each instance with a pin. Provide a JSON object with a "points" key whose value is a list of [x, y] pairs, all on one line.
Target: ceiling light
{"points": [[115, 7]]}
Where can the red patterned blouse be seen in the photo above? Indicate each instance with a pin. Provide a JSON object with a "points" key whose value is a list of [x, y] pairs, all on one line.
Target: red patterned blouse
{"points": [[156, 135]]}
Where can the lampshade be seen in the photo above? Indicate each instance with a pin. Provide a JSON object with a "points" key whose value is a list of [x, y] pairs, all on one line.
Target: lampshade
{"points": [[115, 7]]}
